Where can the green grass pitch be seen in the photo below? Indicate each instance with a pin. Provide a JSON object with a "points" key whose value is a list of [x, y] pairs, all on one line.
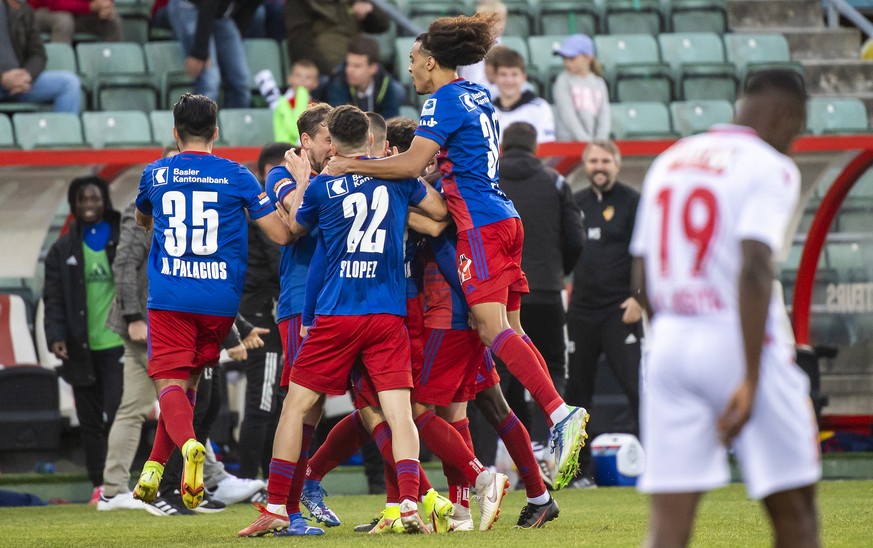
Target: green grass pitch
{"points": [[597, 517]]}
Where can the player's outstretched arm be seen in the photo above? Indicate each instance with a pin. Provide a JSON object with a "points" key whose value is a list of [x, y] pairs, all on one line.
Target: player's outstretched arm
{"points": [[425, 225], [143, 220], [755, 287], [433, 205], [275, 228], [406, 165]]}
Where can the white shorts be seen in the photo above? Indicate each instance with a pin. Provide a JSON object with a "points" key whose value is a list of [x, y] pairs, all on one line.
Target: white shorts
{"points": [[688, 376]]}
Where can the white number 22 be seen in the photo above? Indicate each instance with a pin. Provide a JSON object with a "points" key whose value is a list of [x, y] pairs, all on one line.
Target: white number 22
{"points": [[371, 240]]}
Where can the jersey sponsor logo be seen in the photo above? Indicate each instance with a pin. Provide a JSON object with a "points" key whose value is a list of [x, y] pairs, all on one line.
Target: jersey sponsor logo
{"points": [[429, 107], [202, 270], [193, 176], [464, 265], [159, 176], [609, 213], [429, 123], [336, 188], [468, 102]]}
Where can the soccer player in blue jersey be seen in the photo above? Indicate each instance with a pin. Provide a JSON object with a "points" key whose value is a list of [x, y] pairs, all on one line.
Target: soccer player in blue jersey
{"points": [[197, 203], [360, 308], [457, 124]]}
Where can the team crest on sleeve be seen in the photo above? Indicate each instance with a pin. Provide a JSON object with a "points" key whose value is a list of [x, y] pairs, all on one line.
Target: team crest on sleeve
{"points": [[464, 265], [160, 176], [429, 107], [468, 102], [336, 188]]}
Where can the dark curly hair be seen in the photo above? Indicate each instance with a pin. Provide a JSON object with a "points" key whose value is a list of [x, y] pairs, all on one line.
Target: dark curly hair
{"points": [[462, 40], [349, 127]]}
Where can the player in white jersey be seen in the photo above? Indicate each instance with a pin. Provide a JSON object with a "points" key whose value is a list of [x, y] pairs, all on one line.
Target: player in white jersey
{"points": [[720, 371]]}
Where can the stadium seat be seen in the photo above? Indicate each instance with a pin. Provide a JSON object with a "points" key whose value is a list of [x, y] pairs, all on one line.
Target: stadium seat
{"points": [[518, 44], [544, 65], [29, 409], [122, 128], [423, 12], [632, 17], [690, 117], [747, 50], [116, 76], [162, 126], [7, 136], [263, 53], [402, 47], [642, 120], [836, 115], [386, 45], [245, 126], [699, 67], [47, 129], [167, 61], [698, 16], [16, 342], [569, 17], [60, 56], [633, 67], [407, 111], [856, 222], [520, 18]]}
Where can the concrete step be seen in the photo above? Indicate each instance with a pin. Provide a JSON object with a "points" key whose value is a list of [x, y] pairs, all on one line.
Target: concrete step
{"points": [[838, 76], [823, 43], [755, 14]]}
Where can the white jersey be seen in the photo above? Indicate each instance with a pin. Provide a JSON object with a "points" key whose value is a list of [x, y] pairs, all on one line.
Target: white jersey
{"points": [[700, 199]]}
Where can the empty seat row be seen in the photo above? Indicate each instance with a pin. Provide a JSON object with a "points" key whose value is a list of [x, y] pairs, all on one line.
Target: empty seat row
{"points": [[128, 128]]}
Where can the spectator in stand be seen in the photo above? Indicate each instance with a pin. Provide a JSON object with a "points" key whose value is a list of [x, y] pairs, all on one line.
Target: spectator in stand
{"points": [[62, 18], [363, 82], [514, 103], [321, 31], [482, 72], [22, 63], [199, 28], [553, 242], [581, 96], [78, 293], [302, 83]]}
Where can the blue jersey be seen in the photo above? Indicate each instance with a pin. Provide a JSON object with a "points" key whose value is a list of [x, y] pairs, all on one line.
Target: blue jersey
{"points": [[197, 261], [445, 306], [459, 117], [362, 221], [295, 258]]}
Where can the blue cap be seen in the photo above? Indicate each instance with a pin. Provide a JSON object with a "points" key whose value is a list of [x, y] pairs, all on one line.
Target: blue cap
{"points": [[577, 44]]}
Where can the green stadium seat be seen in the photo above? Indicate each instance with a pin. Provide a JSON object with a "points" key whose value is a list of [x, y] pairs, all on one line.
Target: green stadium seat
{"points": [[407, 111], [60, 56], [19, 106], [402, 46], [643, 83], [518, 44], [632, 17], [386, 45], [633, 67], [836, 115], [122, 128], [641, 120], [520, 18], [747, 50], [698, 16], [423, 12], [47, 129], [240, 127], [264, 53], [690, 117], [569, 17], [7, 136], [167, 60], [699, 67], [115, 73], [162, 126], [544, 65]]}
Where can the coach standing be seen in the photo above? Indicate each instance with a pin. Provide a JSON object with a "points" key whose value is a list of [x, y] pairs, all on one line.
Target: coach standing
{"points": [[552, 243], [604, 317]]}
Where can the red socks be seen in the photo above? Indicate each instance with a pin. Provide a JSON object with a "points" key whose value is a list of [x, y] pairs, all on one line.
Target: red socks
{"points": [[296, 488], [407, 479], [459, 489], [448, 445], [279, 484], [517, 441], [175, 425], [522, 362], [342, 442], [536, 352]]}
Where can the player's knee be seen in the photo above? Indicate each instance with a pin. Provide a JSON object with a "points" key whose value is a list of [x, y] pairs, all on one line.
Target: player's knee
{"points": [[492, 405]]}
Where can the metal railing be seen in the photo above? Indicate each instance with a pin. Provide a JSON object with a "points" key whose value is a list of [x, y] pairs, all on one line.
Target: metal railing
{"points": [[835, 8]]}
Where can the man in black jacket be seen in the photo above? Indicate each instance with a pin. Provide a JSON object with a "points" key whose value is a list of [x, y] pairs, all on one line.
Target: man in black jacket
{"points": [[361, 80], [604, 317], [552, 243], [78, 292]]}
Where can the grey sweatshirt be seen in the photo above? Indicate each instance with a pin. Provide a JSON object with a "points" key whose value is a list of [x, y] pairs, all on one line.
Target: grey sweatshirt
{"points": [[582, 105]]}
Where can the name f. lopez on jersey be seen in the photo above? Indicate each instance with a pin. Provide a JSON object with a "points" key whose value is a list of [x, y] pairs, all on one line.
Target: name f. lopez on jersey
{"points": [[198, 256]]}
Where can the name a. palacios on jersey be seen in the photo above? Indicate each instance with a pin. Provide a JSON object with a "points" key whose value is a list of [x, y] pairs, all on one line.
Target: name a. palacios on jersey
{"points": [[202, 270]]}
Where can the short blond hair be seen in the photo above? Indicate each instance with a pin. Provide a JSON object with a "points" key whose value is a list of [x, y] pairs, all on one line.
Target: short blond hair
{"points": [[605, 144]]}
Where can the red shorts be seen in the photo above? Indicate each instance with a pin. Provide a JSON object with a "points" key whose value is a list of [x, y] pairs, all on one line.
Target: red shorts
{"points": [[289, 332], [363, 391], [451, 361], [487, 375], [489, 263], [415, 326], [334, 342], [183, 343]]}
